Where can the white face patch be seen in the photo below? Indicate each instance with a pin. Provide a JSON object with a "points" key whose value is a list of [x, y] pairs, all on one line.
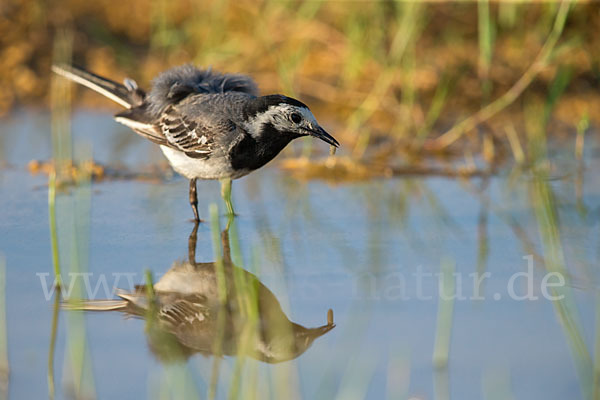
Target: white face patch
{"points": [[279, 117]]}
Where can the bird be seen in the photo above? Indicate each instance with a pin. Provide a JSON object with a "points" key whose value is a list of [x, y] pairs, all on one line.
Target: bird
{"points": [[211, 309], [209, 125]]}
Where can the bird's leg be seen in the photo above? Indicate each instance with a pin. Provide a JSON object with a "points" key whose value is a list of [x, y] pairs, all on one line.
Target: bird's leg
{"points": [[225, 243], [194, 199], [192, 244], [226, 194]]}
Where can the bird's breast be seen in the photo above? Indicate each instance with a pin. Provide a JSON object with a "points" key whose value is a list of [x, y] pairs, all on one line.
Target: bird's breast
{"points": [[215, 167]]}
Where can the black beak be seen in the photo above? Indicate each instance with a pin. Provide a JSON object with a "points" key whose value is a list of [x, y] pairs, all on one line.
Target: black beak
{"points": [[314, 333], [320, 133]]}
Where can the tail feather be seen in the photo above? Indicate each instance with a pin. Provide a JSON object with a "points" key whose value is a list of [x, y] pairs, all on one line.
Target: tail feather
{"points": [[113, 90], [96, 305]]}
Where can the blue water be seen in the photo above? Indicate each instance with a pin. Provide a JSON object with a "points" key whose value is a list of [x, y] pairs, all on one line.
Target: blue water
{"points": [[357, 248]]}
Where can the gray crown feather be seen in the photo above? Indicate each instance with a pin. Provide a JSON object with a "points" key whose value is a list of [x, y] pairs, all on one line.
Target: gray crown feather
{"points": [[176, 83]]}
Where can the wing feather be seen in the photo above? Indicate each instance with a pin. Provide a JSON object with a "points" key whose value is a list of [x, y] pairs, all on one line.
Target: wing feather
{"points": [[195, 127], [190, 311], [195, 137]]}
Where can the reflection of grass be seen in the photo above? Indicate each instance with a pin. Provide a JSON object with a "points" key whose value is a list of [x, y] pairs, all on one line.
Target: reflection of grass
{"points": [[68, 215], [4, 367], [597, 351], [544, 205], [358, 375], [222, 297], [496, 382], [542, 199], [52, 345], [441, 347], [543, 202], [233, 284]]}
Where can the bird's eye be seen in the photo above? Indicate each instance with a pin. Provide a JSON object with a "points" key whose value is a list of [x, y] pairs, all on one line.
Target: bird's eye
{"points": [[296, 118]]}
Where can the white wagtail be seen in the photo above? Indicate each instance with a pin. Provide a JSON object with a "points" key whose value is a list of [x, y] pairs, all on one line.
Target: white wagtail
{"points": [[189, 315], [208, 125]]}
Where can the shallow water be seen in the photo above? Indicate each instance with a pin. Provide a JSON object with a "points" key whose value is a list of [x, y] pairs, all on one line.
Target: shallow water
{"points": [[371, 251]]}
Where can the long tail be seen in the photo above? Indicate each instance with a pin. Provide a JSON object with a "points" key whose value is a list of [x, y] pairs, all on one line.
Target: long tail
{"points": [[96, 305], [127, 95], [130, 302]]}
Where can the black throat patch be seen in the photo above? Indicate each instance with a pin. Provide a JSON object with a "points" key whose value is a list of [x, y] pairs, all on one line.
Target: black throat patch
{"points": [[252, 154]]}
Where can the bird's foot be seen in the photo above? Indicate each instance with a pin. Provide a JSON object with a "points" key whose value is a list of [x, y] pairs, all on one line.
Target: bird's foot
{"points": [[229, 210], [230, 214]]}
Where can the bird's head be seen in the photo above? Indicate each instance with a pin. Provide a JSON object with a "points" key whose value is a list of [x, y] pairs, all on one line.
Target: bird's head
{"points": [[281, 115]]}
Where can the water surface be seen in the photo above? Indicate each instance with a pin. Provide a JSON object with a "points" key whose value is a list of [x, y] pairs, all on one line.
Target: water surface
{"points": [[371, 251]]}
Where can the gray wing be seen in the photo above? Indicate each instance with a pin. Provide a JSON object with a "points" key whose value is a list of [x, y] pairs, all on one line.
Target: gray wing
{"points": [[191, 136], [176, 84], [199, 126], [185, 311], [197, 135]]}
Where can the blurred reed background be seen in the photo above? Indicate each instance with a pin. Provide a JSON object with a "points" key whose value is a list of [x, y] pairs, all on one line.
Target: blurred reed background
{"points": [[386, 77]]}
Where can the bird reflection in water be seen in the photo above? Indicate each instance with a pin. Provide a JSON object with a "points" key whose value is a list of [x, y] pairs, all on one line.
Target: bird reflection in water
{"points": [[212, 308]]}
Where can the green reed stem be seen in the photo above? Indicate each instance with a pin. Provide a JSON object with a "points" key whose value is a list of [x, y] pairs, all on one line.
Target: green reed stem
{"points": [[222, 296], [582, 127], [149, 284], [441, 348], [52, 345], [485, 44], [541, 61], [53, 229], [566, 310], [435, 109]]}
